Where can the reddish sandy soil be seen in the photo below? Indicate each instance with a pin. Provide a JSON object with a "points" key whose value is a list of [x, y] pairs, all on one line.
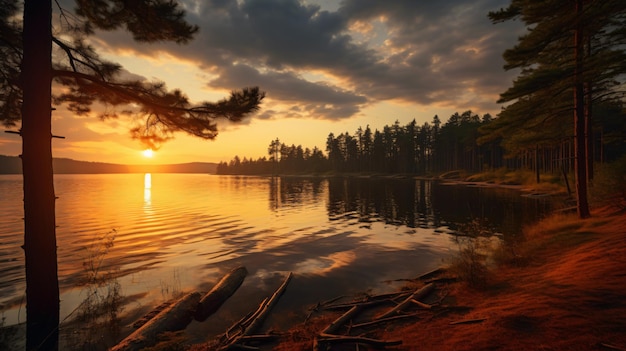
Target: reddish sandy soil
{"points": [[570, 295]]}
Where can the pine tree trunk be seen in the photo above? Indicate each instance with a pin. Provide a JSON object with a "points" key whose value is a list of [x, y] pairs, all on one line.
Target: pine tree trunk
{"points": [[589, 132], [580, 142], [589, 120], [42, 287]]}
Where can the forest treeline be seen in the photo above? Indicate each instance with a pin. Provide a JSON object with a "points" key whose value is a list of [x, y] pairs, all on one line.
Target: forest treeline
{"points": [[466, 141]]}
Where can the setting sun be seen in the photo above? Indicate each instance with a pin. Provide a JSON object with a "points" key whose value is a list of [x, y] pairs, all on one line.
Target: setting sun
{"points": [[148, 153]]}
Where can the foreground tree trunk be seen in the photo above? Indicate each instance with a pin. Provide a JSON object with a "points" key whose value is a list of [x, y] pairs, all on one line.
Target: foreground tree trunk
{"points": [[580, 142], [42, 286]]}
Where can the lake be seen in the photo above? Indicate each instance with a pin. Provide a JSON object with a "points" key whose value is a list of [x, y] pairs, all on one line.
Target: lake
{"points": [[159, 234]]}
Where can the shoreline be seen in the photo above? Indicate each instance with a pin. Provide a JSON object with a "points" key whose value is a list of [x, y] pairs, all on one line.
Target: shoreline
{"points": [[568, 296]]}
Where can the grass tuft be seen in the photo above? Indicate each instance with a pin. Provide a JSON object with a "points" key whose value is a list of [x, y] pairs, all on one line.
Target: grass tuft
{"points": [[96, 319], [475, 242]]}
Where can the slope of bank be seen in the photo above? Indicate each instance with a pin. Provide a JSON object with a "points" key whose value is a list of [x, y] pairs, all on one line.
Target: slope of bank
{"points": [[568, 296], [566, 291]]}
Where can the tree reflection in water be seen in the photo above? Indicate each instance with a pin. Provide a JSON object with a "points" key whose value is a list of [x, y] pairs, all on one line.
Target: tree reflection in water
{"points": [[413, 203]]}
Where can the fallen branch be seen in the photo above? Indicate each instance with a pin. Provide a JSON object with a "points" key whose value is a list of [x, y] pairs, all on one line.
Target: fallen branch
{"points": [[239, 325], [342, 320], [468, 321], [236, 330], [224, 289], [388, 319], [242, 330], [327, 302], [243, 347], [419, 294], [442, 280], [611, 347], [258, 320], [245, 322], [369, 298], [431, 274], [311, 311], [325, 339], [173, 318], [421, 304], [264, 337], [356, 303], [389, 296], [327, 336]]}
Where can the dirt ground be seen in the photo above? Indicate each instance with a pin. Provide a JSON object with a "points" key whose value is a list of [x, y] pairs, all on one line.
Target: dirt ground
{"points": [[569, 293]]}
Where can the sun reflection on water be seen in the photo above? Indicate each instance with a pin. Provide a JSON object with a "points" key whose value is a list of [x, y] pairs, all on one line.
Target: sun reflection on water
{"points": [[147, 190]]}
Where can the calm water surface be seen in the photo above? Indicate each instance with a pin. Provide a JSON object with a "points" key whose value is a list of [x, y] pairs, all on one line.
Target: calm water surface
{"points": [[180, 232]]}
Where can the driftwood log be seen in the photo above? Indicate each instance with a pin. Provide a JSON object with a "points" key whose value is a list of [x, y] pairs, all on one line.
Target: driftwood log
{"points": [[180, 313], [173, 318], [243, 331], [224, 289]]}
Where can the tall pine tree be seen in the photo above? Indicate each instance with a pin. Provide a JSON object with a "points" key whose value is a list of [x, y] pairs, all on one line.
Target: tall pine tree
{"points": [[570, 45]]}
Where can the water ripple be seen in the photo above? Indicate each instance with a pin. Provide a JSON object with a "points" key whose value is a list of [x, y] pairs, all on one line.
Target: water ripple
{"points": [[202, 226]]}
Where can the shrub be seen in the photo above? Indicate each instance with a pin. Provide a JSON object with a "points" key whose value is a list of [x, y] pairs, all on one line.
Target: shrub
{"points": [[475, 242]]}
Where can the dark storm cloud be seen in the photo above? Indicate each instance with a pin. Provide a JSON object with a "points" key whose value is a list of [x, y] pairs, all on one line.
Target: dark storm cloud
{"points": [[435, 52], [444, 48], [274, 33], [317, 100]]}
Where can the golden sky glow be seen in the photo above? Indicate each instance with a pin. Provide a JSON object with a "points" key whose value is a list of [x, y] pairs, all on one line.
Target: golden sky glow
{"points": [[335, 67]]}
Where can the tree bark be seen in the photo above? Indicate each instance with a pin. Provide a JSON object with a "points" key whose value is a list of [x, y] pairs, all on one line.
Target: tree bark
{"points": [[42, 286], [580, 147]]}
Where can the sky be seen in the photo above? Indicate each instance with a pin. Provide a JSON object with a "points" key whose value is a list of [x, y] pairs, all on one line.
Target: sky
{"points": [[326, 67]]}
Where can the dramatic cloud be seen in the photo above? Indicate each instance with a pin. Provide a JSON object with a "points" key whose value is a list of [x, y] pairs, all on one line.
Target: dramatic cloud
{"points": [[325, 65], [316, 99], [444, 53]]}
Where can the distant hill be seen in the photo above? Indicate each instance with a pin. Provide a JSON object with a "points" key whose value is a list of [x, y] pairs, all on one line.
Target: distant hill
{"points": [[13, 165]]}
